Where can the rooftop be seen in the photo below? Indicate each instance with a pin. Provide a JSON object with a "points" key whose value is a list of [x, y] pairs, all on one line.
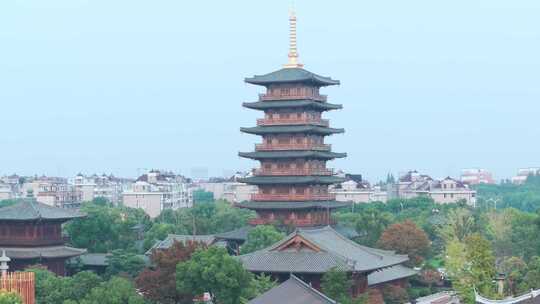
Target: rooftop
{"points": [[317, 251], [292, 291], [29, 209], [292, 75], [311, 129], [292, 154], [302, 103]]}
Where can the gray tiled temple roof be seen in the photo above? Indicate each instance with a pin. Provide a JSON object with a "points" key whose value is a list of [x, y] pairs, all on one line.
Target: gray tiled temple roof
{"points": [[300, 103], [29, 210], [292, 75], [290, 180], [239, 234], [307, 129], [335, 250], [42, 252], [292, 291], [182, 238], [293, 205], [390, 274], [292, 154]]}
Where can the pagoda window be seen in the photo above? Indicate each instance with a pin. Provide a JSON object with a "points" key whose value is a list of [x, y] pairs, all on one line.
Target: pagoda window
{"points": [[268, 166], [299, 140], [266, 191], [282, 190], [298, 91], [285, 91]]}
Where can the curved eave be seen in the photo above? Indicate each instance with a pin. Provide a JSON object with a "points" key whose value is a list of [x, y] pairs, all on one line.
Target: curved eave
{"points": [[291, 154], [291, 75], [294, 180], [300, 103], [254, 205], [309, 129]]}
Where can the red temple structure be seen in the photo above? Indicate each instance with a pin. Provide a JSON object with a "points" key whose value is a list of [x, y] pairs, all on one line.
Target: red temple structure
{"points": [[31, 233], [293, 178]]}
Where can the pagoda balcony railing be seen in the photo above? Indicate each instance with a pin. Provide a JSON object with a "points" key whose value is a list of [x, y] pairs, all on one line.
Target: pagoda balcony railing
{"points": [[293, 197], [295, 222], [284, 147], [263, 97], [292, 121], [294, 172]]}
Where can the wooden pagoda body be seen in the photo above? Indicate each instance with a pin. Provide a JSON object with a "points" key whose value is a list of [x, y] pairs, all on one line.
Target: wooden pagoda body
{"points": [[31, 233], [293, 178]]}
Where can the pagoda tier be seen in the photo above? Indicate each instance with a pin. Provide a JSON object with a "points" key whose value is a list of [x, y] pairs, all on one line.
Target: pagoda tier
{"points": [[293, 178]]}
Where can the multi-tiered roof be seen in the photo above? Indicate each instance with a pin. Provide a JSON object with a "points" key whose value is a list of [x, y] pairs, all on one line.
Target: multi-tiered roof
{"points": [[293, 179]]}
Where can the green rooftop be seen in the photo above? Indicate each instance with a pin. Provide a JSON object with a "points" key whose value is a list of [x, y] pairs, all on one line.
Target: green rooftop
{"points": [[292, 154], [292, 205], [289, 180], [292, 75], [301, 103], [308, 129], [29, 209]]}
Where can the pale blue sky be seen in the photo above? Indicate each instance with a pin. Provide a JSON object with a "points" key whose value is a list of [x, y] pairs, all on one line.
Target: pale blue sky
{"points": [[112, 86]]}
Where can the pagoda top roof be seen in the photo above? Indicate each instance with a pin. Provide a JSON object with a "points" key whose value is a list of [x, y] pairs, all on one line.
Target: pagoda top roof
{"points": [[292, 154], [312, 129], [318, 251], [293, 289], [292, 205], [310, 179], [29, 209], [298, 103], [291, 75]]}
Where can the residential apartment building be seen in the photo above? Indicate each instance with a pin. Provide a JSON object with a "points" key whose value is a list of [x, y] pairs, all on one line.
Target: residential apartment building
{"points": [[52, 191], [155, 191], [105, 186], [355, 189], [448, 190], [229, 189], [476, 176], [5, 192], [523, 173]]}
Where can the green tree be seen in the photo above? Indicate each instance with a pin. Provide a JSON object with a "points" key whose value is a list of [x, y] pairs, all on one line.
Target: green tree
{"points": [[124, 263], [159, 231], [336, 284], [459, 225], [116, 290], [371, 224], [9, 298], [261, 237], [215, 272]]}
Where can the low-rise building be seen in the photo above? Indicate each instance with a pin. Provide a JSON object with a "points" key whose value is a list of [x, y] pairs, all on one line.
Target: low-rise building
{"points": [[524, 173], [229, 189], [5, 192], [355, 189], [476, 176], [52, 191], [105, 186], [448, 190], [156, 191]]}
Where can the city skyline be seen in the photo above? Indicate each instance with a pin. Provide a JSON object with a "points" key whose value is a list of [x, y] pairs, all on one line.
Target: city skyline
{"points": [[424, 86]]}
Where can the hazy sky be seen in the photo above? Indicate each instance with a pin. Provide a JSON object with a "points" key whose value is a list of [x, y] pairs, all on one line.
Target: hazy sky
{"points": [[113, 86]]}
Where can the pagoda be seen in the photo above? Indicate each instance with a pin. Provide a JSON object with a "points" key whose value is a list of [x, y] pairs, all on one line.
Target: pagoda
{"points": [[31, 233], [293, 178]]}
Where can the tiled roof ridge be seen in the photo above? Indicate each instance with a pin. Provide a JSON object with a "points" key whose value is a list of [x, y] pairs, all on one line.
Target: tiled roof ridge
{"points": [[311, 289], [363, 248], [31, 203]]}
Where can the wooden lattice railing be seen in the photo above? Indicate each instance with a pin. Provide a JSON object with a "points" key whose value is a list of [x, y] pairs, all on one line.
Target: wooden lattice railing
{"points": [[22, 283]]}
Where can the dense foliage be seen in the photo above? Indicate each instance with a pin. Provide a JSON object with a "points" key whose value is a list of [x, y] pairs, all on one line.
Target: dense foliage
{"points": [[9, 298], [261, 237]]}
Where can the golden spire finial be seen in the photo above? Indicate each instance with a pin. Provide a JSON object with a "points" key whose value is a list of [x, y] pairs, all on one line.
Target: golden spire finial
{"points": [[293, 52]]}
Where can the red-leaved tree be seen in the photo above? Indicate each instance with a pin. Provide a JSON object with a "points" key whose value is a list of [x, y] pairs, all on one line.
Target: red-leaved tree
{"points": [[159, 283], [406, 238]]}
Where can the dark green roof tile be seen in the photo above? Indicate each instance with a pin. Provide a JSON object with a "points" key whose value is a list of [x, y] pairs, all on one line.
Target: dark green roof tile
{"points": [[310, 129], [29, 209], [289, 180], [292, 75], [292, 205], [302, 103], [292, 154]]}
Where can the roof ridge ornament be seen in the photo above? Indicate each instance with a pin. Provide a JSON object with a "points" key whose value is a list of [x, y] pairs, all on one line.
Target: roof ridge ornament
{"points": [[293, 51]]}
